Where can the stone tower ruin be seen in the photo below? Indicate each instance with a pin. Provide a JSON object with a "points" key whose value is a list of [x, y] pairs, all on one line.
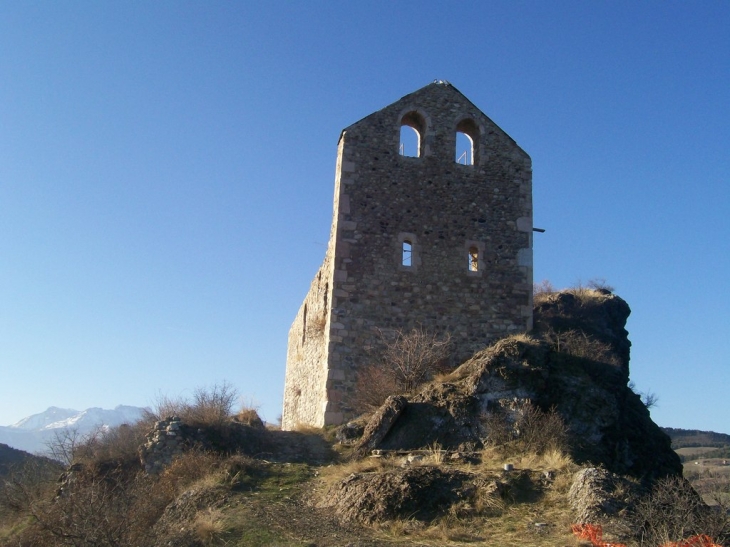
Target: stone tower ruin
{"points": [[433, 236]]}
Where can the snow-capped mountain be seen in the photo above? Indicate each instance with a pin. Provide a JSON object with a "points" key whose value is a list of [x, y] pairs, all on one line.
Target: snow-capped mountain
{"points": [[36, 422], [33, 433]]}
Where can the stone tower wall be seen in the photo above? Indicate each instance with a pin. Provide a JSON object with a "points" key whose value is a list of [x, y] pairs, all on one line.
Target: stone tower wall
{"points": [[443, 209]]}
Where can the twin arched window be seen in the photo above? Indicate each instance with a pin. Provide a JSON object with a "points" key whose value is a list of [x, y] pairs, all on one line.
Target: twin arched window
{"points": [[412, 129]]}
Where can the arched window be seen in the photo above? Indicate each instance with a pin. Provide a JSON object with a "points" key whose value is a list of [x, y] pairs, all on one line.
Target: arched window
{"points": [[473, 259], [407, 254], [467, 137], [464, 149], [412, 127]]}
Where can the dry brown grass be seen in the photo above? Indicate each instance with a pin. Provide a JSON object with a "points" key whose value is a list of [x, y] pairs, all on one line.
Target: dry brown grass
{"points": [[334, 473], [208, 526]]}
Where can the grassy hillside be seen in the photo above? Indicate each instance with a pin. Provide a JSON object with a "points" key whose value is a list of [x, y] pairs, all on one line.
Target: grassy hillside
{"points": [[11, 458]]}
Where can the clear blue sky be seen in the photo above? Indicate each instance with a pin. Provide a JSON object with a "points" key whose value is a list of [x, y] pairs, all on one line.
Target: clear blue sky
{"points": [[167, 170]]}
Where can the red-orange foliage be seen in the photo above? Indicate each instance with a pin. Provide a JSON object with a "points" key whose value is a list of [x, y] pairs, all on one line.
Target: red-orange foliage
{"points": [[594, 534], [695, 541]]}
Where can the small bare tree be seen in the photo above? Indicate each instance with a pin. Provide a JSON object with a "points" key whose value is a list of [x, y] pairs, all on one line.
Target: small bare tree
{"points": [[408, 360], [64, 445], [414, 356]]}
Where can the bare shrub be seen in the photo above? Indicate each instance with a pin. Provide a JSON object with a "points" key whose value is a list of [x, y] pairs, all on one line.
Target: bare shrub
{"points": [[374, 384], [165, 407], [674, 512], [499, 429], [579, 344], [95, 509], [540, 431], [211, 406], [600, 284], [648, 398], [414, 356], [408, 360], [527, 428], [542, 290], [64, 445], [27, 484]]}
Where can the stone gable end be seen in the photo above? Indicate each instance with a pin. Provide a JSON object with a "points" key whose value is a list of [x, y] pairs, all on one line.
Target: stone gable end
{"points": [[417, 240]]}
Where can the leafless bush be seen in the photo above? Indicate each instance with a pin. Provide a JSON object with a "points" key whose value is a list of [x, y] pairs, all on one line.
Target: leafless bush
{"points": [[108, 509], [414, 356], [540, 431], [374, 384], [64, 444], [579, 344], [119, 444], [649, 398], [26, 484], [213, 406], [527, 428], [674, 512], [600, 284], [500, 430], [544, 286], [542, 290], [209, 406], [408, 360]]}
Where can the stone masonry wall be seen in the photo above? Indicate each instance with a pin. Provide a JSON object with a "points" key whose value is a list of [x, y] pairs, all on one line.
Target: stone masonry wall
{"points": [[165, 442], [443, 209], [305, 388]]}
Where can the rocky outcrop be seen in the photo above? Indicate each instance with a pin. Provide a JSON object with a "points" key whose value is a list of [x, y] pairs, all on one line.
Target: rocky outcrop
{"points": [[381, 422], [598, 496], [576, 363], [171, 437], [597, 314], [420, 493]]}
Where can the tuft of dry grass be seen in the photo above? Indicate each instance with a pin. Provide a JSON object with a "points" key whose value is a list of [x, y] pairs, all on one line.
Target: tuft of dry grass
{"points": [[308, 429], [208, 526], [436, 453]]}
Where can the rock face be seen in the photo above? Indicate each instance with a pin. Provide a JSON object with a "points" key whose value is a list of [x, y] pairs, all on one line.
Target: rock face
{"points": [[419, 492], [576, 363], [381, 423], [599, 496], [171, 437]]}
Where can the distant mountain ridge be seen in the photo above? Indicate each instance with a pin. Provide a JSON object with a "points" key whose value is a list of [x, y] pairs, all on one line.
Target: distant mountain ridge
{"points": [[684, 438], [32, 433]]}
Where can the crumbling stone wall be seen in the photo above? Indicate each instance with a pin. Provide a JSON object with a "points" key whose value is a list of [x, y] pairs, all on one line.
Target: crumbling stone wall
{"points": [[166, 441], [444, 211]]}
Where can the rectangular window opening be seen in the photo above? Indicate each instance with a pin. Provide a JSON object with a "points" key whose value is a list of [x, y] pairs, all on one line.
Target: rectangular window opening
{"points": [[473, 259], [407, 254]]}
